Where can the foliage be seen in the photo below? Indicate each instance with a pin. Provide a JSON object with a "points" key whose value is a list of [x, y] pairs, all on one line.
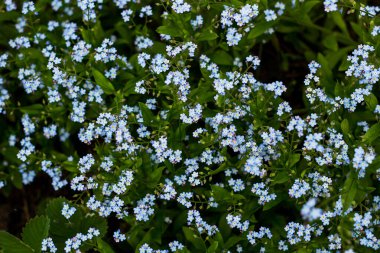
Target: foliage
{"points": [[193, 125]]}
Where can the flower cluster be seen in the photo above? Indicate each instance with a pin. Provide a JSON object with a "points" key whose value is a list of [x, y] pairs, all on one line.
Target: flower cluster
{"points": [[193, 216], [48, 245], [75, 242]]}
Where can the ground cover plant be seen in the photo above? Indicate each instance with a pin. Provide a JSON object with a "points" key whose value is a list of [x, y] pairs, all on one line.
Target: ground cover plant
{"points": [[189, 126]]}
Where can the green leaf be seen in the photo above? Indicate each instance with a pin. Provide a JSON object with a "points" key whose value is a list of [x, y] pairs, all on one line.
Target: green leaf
{"points": [[213, 247], [363, 193], [16, 178], [281, 178], [86, 35], [344, 65], [129, 87], [350, 188], [307, 6], [305, 249], [219, 238], [293, 159], [11, 244], [327, 75], [176, 137], [70, 166], [207, 35], [371, 101], [35, 231], [197, 242], [222, 57], [372, 134], [58, 223], [98, 32], [219, 193], [104, 247], [358, 30], [32, 109], [330, 42], [325, 65], [154, 177], [103, 82], [9, 15], [335, 57], [148, 117], [10, 154], [62, 228], [260, 29], [345, 126], [272, 203], [338, 19], [202, 93], [94, 221], [169, 30], [232, 241], [153, 235]]}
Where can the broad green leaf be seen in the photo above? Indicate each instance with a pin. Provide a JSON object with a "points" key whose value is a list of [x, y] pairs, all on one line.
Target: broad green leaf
{"points": [[344, 65], [222, 57], [11, 244], [86, 35], [35, 231], [272, 203], [62, 228], [219, 238], [327, 76], [94, 221], [371, 101], [232, 241], [358, 30], [177, 135], [130, 87], [148, 117], [154, 177], [363, 115], [58, 223], [372, 134], [324, 65], [293, 159], [338, 19], [98, 32], [307, 6], [334, 57], [35, 109], [203, 93], [70, 166], [219, 193], [152, 235], [260, 29], [345, 126], [16, 178], [350, 188], [10, 154], [213, 247], [330, 42], [169, 30], [104, 247], [362, 193], [11, 15], [197, 242], [103, 82], [305, 249], [281, 177], [207, 35]]}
